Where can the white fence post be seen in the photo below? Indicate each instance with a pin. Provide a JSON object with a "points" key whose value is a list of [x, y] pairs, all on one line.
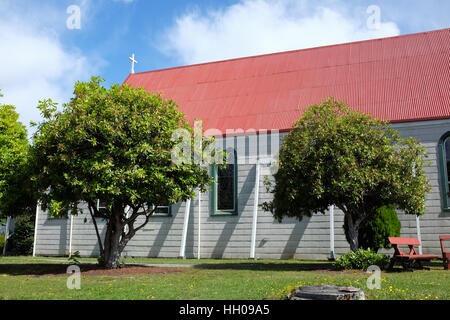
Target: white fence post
{"points": [[35, 229], [255, 213], [8, 223], [419, 237], [331, 210], [185, 227], [199, 223], [70, 235]]}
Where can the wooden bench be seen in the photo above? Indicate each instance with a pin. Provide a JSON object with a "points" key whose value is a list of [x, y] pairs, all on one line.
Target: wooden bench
{"points": [[445, 254], [411, 259]]}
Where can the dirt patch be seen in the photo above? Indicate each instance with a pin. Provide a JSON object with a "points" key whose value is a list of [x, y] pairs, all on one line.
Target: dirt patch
{"points": [[86, 270], [128, 270]]}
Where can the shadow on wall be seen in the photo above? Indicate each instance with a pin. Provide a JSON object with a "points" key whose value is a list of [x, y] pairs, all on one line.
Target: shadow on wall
{"points": [[296, 235], [190, 237], [165, 224], [101, 224], [62, 225]]}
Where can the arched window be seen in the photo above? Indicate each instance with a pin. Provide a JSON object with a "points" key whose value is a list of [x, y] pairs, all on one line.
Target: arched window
{"points": [[444, 155], [224, 190]]}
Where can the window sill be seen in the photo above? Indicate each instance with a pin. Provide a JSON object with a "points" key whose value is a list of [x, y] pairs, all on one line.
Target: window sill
{"points": [[223, 213]]}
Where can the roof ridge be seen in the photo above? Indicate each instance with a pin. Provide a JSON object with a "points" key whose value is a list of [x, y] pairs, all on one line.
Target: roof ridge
{"points": [[287, 52]]}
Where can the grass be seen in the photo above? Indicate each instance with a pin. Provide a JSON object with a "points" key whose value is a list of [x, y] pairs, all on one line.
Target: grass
{"points": [[27, 259], [215, 279]]}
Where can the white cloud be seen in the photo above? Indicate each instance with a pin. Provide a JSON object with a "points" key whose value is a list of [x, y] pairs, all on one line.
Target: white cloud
{"points": [[35, 65], [253, 27]]}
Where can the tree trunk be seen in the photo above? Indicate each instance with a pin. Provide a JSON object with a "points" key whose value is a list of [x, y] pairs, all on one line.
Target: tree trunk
{"points": [[111, 254], [116, 238], [112, 248], [353, 229]]}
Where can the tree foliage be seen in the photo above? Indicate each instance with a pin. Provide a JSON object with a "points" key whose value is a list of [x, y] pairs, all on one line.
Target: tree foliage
{"points": [[21, 241], [2, 242], [13, 163], [115, 145], [337, 156]]}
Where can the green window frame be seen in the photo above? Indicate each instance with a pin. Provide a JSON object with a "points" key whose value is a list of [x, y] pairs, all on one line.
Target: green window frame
{"points": [[161, 213], [101, 207], [215, 172], [444, 159]]}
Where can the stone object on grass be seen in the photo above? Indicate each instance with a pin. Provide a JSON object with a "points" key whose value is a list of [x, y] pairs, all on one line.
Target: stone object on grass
{"points": [[326, 292]]}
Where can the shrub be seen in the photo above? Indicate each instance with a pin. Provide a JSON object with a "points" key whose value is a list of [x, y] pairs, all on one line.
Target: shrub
{"points": [[377, 228], [21, 241], [2, 243], [375, 232], [361, 259]]}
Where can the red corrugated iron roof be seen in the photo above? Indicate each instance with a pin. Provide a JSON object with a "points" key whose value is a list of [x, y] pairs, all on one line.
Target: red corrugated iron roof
{"points": [[400, 79]]}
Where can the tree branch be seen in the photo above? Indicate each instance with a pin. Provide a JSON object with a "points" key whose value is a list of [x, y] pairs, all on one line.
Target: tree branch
{"points": [[147, 217], [96, 227], [132, 230]]}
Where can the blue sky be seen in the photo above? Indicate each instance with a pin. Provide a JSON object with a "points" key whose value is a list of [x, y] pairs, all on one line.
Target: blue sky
{"points": [[41, 57]]}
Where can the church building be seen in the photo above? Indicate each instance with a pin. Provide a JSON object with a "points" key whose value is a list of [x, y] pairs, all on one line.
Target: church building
{"points": [[249, 104]]}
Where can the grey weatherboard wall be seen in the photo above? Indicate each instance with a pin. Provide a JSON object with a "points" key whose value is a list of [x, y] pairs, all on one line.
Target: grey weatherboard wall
{"points": [[229, 236]]}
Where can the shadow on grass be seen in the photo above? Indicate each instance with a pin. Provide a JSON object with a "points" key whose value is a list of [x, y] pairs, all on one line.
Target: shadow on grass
{"points": [[269, 266], [41, 269], [61, 269], [432, 265]]}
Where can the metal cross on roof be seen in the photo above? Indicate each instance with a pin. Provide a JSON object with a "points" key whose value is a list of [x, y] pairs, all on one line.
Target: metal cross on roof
{"points": [[133, 61]]}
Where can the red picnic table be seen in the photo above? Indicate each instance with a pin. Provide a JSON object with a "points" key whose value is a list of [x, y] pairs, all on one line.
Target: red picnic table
{"points": [[445, 254], [411, 259]]}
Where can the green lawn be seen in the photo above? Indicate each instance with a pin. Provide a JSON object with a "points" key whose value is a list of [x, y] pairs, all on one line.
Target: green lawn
{"points": [[20, 278]]}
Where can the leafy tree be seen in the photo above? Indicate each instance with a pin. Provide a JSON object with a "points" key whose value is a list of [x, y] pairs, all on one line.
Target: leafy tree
{"points": [[115, 145], [374, 232], [337, 156], [2, 242], [21, 241], [14, 179]]}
